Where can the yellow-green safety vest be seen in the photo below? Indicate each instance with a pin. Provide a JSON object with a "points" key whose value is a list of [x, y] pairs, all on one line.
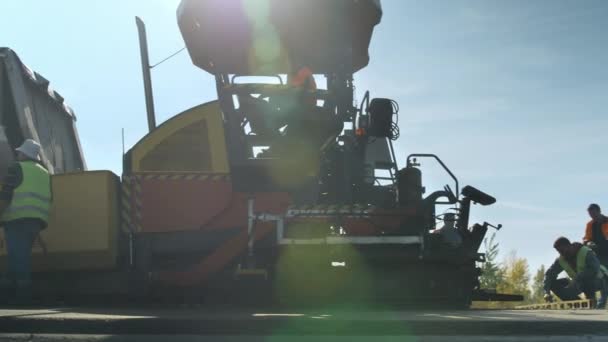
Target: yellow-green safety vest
{"points": [[581, 258], [32, 198]]}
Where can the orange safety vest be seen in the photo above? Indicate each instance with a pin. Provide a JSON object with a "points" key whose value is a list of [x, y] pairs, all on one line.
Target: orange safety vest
{"points": [[589, 231], [303, 78]]}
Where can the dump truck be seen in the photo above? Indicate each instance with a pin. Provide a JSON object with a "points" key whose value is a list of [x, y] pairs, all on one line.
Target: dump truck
{"points": [[31, 109], [273, 193]]}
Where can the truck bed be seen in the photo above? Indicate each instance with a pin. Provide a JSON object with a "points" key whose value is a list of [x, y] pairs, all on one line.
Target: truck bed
{"points": [[31, 109]]}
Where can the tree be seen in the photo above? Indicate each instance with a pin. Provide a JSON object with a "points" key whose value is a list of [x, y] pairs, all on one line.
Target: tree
{"points": [[491, 272], [516, 276], [537, 285], [512, 276]]}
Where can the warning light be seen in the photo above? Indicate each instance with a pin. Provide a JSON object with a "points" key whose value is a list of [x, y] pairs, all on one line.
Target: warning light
{"points": [[360, 132]]}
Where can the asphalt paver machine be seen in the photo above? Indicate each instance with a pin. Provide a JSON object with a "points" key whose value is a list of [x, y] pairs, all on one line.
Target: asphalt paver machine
{"points": [[343, 220]]}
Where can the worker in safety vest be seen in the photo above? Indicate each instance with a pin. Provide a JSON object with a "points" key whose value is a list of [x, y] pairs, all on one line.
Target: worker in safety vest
{"points": [[596, 233], [584, 270], [25, 199], [304, 79]]}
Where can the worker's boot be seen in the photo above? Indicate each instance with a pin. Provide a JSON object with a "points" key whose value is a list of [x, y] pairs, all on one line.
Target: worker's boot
{"points": [[603, 287], [7, 290], [6, 283], [601, 303], [592, 303], [23, 294]]}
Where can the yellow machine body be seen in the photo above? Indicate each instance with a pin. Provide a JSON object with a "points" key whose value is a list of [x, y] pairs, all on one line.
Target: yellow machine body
{"points": [[192, 141], [84, 224]]}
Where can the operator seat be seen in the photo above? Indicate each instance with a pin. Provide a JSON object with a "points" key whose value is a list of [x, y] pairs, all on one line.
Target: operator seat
{"points": [[309, 131], [262, 116]]}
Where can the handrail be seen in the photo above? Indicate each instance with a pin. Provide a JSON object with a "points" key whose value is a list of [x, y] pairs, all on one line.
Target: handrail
{"points": [[273, 76], [270, 89], [428, 155]]}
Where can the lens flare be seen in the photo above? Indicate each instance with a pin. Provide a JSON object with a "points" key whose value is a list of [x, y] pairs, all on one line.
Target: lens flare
{"points": [[266, 50]]}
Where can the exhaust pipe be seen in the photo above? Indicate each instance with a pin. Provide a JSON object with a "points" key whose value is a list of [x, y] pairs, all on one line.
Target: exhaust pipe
{"points": [[145, 68]]}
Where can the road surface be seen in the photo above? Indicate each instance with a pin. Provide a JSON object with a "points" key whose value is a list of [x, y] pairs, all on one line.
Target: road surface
{"points": [[200, 324]]}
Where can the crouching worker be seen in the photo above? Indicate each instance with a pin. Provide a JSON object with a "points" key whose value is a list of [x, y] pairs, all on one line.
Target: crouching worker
{"points": [[586, 274]]}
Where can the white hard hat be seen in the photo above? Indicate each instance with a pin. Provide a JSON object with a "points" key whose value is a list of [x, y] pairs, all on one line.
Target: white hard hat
{"points": [[30, 148]]}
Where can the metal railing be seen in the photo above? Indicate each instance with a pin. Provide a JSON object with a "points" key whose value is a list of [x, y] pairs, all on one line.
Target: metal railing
{"points": [[428, 155]]}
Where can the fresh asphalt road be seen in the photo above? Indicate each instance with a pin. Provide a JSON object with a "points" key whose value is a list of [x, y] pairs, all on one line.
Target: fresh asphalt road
{"points": [[94, 324]]}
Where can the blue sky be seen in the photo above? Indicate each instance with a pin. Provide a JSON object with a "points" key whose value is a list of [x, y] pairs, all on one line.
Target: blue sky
{"points": [[513, 95]]}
